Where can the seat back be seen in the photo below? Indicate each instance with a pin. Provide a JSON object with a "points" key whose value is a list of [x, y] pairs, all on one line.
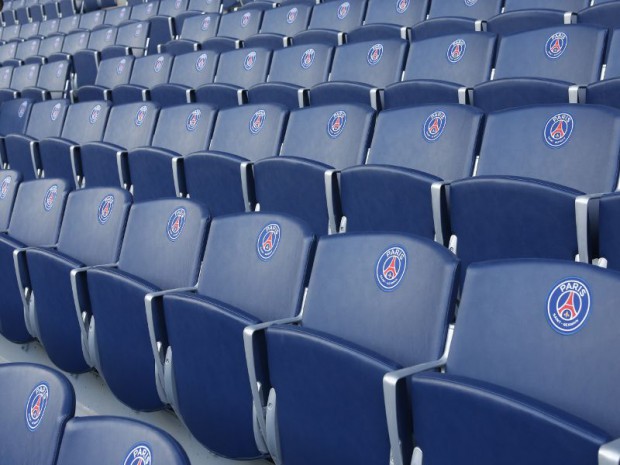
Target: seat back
{"points": [[47, 118], [91, 20], [94, 216], [48, 27], [7, 51], [14, 116], [472, 9], [115, 16], [554, 143], [54, 77], [118, 440], [144, 11], [25, 76], [184, 129], [403, 12], [172, 7], [151, 70], [240, 24], [131, 125], [612, 69], [208, 6], [48, 400], [134, 34], [564, 5], [194, 69], [102, 38], [539, 337], [270, 258], [338, 16], [85, 122], [114, 71], [28, 30], [27, 49], [69, 23], [286, 21], [164, 241], [75, 41], [302, 65], [244, 67], [200, 27], [51, 45], [8, 190]]}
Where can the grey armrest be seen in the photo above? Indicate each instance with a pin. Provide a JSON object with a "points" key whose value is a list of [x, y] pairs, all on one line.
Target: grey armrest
{"points": [[609, 454], [586, 211]]}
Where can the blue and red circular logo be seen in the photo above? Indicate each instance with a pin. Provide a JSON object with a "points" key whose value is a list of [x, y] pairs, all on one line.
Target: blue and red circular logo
{"points": [[307, 59], [245, 19], [50, 197], [434, 126], [402, 6], [556, 45], [105, 209], [94, 114], [336, 124], [21, 111], [257, 121], [121, 66], [35, 408], [141, 115], [291, 16], [568, 306], [192, 120], [59, 69], [391, 268], [249, 61], [55, 112], [4, 187], [456, 51], [343, 10], [374, 54], [206, 23], [268, 241], [108, 35], [158, 64], [470, 2], [559, 129], [201, 62], [176, 223], [140, 454], [149, 8]]}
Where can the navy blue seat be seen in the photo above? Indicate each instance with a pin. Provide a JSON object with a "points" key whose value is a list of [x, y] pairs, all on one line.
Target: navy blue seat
{"points": [[147, 72], [402, 13], [69, 24], [162, 249], [129, 126], [48, 27], [242, 23], [132, 38], [287, 21], [72, 43], [92, 216], [196, 30], [23, 76], [25, 50], [50, 46], [605, 92], [602, 14], [29, 30], [221, 177], [116, 16], [36, 404], [518, 375], [86, 62], [302, 182], [519, 20], [14, 116], [52, 83], [157, 171], [323, 376], [562, 5], [60, 156], [412, 147], [338, 16], [474, 9], [272, 256], [168, 23], [22, 150], [143, 11], [208, 6], [9, 184], [118, 440], [36, 218], [112, 72], [89, 21]]}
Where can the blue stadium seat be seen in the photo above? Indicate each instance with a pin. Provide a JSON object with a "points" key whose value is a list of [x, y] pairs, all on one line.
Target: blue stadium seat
{"points": [[338, 16], [516, 21], [502, 94], [144, 11], [412, 147], [89, 21], [196, 30], [92, 216], [9, 184], [36, 404], [52, 83], [60, 156], [208, 6], [220, 178], [36, 218], [242, 23], [157, 171], [129, 126], [147, 72], [72, 43], [29, 30], [520, 377], [116, 16], [602, 14], [86, 62], [25, 50], [168, 23], [302, 182], [323, 376], [162, 249], [48, 27], [132, 38], [23, 76], [22, 150], [287, 21], [271, 257], [69, 24], [48, 47], [112, 72], [473, 9], [562, 5], [404, 13]]}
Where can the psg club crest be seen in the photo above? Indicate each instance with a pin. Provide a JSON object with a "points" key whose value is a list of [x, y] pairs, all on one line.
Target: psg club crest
{"points": [[4, 187], [245, 19], [141, 115], [250, 60], [61, 66], [94, 114], [201, 62], [336, 124], [391, 268], [559, 129], [139, 455], [158, 64], [456, 51], [343, 10], [434, 126], [50, 197], [21, 111], [177, 4], [556, 45], [374, 54], [192, 120], [257, 121], [105, 209], [401, 6], [121, 66], [206, 23], [35, 408], [307, 59], [268, 241], [55, 112], [6, 74], [176, 223], [291, 16], [139, 26], [470, 2], [568, 306]]}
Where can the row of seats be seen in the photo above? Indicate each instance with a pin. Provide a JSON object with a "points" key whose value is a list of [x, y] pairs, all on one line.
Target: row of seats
{"points": [[38, 426]]}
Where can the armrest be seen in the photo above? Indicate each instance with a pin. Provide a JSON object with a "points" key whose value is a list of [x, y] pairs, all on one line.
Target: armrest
{"points": [[172, 94], [586, 214], [441, 216], [23, 283], [609, 454], [346, 92], [87, 93], [179, 47], [127, 93]]}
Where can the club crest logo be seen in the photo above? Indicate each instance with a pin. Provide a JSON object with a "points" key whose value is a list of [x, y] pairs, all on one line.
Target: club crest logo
{"points": [[105, 209], [456, 51], [50, 197], [108, 35], [402, 6], [245, 19], [336, 124], [192, 120], [556, 45], [206, 23], [249, 61], [176, 223], [61, 67], [6, 75], [158, 64], [139, 455], [177, 4], [37, 403], [201, 62], [122, 12], [82, 39], [559, 129], [470, 2], [374, 54], [391, 268], [94, 114], [141, 115], [31, 72], [21, 111], [307, 59], [121, 66], [343, 10], [4, 187], [568, 306], [291, 16], [268, 241], [149, 8], [55, 112], [257, 121], [434, 126], [33, 46]]}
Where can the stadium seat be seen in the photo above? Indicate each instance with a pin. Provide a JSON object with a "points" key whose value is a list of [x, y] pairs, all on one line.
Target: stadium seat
{"points": [[23, 76], [519, 377], [112, 72], [92, 216], [605, 92], [562, 5], [52, 83], [9, 124], [48, 27], [36, 404], [116, 16], [287, 21], [323, 376], [25, 50], [144, 11], [517, 21], [8, 190], [503, 94], [22, 150], [36, 218], [404, 13], [89, 21], [69, 24], [29, 30], [50, 46], [72, 43], [147, 72], [338, 16], [86, 62], [196, 30], [272, 256], [207, 6], [162, 249], [242, 23], [129, 126], [472, 9]]}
